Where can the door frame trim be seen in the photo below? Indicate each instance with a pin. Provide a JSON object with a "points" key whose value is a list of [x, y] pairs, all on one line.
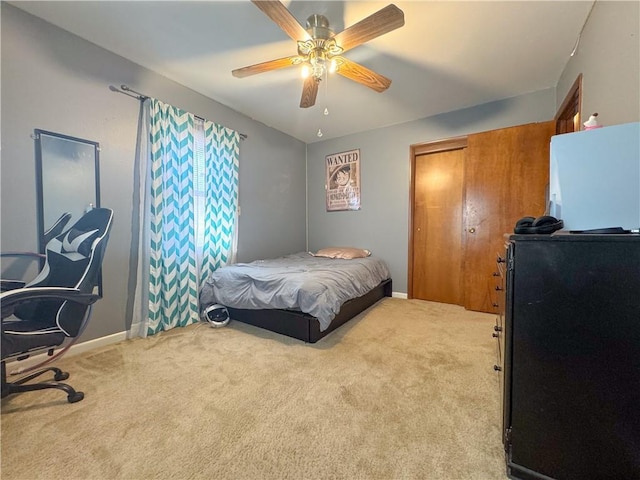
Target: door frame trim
{"points": [[438, 146], [570, 110]]}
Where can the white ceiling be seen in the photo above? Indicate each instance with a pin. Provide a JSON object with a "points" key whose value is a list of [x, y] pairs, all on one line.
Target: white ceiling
{"points": [[448, 55]]}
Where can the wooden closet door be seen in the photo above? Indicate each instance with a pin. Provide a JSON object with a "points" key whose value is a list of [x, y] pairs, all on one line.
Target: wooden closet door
{"points": [[507, 172], [437, 227]]}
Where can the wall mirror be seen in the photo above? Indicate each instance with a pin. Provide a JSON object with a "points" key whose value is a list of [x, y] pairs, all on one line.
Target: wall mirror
{"points": [[67, 180]]}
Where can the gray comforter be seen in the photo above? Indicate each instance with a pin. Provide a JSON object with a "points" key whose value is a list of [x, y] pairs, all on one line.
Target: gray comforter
{"points": [[315, 285]]}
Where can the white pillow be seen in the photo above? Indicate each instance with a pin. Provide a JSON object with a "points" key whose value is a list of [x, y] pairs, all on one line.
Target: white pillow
{"points": [[346, 253]]}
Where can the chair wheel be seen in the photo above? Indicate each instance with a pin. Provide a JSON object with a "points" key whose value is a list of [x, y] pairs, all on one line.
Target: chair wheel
{"points": [[58, 377], [75, 397]]}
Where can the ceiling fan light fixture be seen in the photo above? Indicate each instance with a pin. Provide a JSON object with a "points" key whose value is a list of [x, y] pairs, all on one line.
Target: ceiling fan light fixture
{"points": [[318, 63], [319, 52], [331, 48], [306, 47]]}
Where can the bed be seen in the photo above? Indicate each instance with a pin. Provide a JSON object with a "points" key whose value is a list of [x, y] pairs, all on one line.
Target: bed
{"points": [[303, 295]]}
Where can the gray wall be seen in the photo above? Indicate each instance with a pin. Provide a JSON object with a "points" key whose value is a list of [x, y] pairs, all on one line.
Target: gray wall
{"points": [[56, 81], [382, 224], [608, 57]]}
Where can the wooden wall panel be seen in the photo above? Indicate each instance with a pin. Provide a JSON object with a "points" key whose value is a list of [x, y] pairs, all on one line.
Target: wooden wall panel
{"points": [[507, 173]]}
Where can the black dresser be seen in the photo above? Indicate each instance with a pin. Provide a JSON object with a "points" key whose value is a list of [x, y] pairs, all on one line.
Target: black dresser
{"points": [[570, 356]]}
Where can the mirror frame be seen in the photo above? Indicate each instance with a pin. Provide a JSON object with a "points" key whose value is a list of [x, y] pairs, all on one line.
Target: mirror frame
{"points": [[38, 133]]}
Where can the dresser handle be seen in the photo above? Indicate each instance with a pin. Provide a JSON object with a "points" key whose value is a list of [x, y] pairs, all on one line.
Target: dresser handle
{"points": [[495, 335], [497, 328], [497, 368], [499, 288], [500, 259]]}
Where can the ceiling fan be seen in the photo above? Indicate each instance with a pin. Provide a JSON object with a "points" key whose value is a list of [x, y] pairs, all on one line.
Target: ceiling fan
{"points": [[320, 50]]}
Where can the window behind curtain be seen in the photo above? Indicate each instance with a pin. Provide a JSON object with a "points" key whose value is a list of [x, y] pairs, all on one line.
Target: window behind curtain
{"points": [[199, 183], [188, 178]]}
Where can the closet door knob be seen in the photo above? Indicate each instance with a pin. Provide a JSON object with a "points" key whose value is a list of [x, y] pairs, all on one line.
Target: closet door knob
{"points": [[472, 230]]}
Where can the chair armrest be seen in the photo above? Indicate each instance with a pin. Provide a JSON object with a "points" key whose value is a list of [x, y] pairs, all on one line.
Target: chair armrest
{"points": [[6, 285], [33, 255], [11, 298]]}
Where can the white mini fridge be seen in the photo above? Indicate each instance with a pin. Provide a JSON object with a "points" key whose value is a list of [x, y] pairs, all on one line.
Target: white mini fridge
{"points": [[594, 180]]}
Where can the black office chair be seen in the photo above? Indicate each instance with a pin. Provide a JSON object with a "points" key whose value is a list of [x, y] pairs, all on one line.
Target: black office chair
{"points": [[13, 275], [57, 304], [57, 228]]}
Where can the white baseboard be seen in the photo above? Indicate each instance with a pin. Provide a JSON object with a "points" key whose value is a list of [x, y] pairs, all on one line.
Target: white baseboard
{"points": [[74, 350], [399, 295], [97, 343]]}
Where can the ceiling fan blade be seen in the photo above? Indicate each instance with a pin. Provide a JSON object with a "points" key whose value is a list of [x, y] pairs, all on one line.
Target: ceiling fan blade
{"points": [[309, 92], [381, 22], [369, 78], [277, 12], [263, 67]]}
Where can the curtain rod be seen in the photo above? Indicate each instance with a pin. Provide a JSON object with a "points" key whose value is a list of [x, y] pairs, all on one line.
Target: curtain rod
{"points": [[125, 90]]}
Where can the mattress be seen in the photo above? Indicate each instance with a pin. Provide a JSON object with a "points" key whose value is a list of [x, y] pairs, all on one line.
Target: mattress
{"points": [[314, 285]]}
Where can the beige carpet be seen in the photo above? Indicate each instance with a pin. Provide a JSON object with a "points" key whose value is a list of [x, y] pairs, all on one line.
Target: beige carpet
{"points": [[404, 391]]}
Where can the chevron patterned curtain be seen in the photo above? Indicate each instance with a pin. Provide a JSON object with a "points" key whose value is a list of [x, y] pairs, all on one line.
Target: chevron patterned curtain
{"points": [[221, 178], [172, 269]]}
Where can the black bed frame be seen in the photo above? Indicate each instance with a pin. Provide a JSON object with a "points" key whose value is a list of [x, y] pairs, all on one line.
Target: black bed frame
{"points": [[303, 326]]}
